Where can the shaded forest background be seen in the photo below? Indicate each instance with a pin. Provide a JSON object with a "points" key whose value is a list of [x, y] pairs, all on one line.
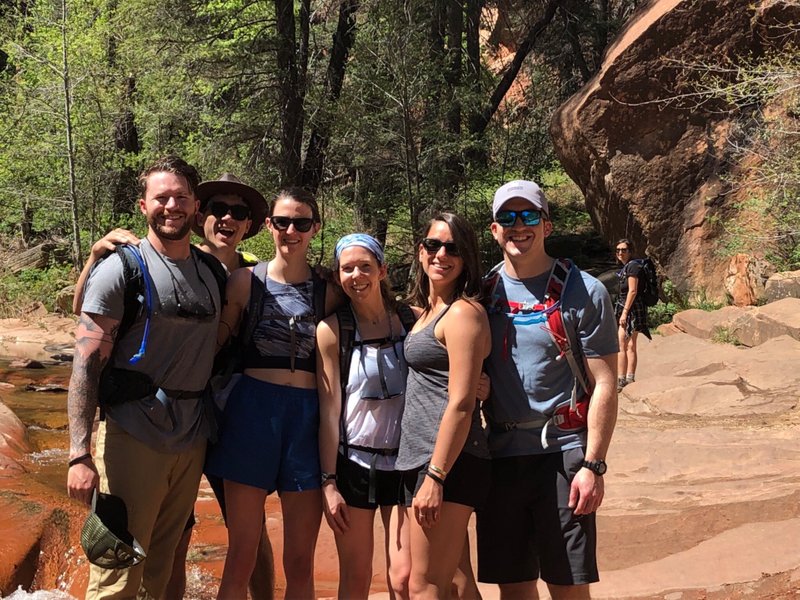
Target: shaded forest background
{"points": [[386, 109]]}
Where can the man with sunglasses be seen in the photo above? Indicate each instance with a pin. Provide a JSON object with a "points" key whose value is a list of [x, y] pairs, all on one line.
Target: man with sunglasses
{"points": [[547, 472], [151, 440]]}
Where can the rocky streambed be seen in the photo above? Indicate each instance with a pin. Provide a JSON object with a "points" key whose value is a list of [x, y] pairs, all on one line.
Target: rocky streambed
{"points": [[702, 494]]}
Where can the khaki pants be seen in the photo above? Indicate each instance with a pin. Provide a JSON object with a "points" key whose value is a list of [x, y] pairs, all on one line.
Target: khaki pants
{"points": [[159, 490]]}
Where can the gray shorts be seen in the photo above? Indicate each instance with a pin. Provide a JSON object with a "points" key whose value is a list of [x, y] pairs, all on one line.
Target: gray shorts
{"points": [[527, 529]]}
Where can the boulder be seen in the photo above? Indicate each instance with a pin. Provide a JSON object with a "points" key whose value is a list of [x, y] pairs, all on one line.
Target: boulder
{"points": [[705, 324], [14, 443], [767, 322], [747, 276], [651, 158], [64, 298], [683, 375], [782, 285], [25, 363]]}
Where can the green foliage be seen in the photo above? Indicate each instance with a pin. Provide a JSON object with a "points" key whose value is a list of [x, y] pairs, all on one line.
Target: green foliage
{"points": [[763, 153], [17, 292], [724, 335], [661, 313], [676, 302]]}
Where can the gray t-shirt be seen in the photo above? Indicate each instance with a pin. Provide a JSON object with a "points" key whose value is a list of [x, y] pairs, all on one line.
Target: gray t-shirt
{"points": [[528, 383], [180, 346]]}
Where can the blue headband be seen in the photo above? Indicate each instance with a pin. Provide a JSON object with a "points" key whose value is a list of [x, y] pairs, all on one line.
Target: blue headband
{"points": [[358, 239]]}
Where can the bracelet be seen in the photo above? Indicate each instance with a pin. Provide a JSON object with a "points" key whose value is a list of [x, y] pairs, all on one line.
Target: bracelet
{"points": [[79, 459], [440, 472], [435, 477]]}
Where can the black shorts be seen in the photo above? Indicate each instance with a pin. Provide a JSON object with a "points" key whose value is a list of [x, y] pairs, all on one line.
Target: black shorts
{"points": [[467, 482], [353, 482], [527, 528]]}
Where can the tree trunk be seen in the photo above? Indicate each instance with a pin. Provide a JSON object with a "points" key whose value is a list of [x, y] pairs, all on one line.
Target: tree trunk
{"points": [[516, 64], [290, 92], [343, 40], [77, 258], [126, 141]]}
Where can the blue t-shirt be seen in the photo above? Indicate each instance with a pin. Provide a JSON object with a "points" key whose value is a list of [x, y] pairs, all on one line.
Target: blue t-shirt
{"points": [[528, 383]]}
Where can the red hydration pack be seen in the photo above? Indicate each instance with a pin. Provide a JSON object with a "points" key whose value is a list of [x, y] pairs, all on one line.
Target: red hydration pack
{"points": [[569, 416]]}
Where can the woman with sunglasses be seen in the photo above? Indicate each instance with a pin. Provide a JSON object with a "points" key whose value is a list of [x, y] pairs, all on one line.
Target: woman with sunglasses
{"points": [[443, 449], [269, 430], [630, 311], [360, 417]]}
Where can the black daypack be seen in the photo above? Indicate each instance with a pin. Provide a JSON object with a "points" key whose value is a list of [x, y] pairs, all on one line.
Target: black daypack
{"points": [[648, 281]]}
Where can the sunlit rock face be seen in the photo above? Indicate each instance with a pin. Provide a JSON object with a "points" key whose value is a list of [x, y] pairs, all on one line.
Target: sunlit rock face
{"points": [[651, 156], [14, 442]]}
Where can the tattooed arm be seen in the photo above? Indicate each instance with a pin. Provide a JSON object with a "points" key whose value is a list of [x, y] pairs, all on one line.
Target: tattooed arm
{"points": [[93, 344]]}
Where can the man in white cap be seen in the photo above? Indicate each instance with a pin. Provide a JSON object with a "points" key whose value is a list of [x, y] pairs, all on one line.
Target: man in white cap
{"points": [[548, 450]]}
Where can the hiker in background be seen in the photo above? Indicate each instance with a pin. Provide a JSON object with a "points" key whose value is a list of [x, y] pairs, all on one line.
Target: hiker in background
{"points": [[361, 375], [269, 428], [630, 312], [151, 440], [547, 435], [230, 211], [443, 450]]}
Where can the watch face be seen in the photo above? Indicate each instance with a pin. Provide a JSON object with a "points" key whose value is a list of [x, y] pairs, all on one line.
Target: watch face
{"points": [[600, 467]]}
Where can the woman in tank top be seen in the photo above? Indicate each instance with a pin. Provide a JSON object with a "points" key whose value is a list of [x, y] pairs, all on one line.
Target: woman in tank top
{"points": [[359, 434], [268, 432], [443, 450]]}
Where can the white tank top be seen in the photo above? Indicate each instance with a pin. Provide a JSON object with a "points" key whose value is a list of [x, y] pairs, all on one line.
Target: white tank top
{"points": [[373, 410]]}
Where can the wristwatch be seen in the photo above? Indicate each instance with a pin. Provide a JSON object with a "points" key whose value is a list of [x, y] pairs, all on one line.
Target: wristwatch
{"points": [[598, 467], [327, 477]]}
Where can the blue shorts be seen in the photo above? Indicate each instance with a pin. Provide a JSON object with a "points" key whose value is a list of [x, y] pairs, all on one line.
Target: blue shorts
{"points": [[268, 438]]}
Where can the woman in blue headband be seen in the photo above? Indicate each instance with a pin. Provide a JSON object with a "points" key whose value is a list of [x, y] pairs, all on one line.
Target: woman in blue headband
{"points": [[361, 380]]}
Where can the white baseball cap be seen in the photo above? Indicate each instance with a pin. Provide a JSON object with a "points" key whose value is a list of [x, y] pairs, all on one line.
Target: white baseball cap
{"points": [[519, 188]]}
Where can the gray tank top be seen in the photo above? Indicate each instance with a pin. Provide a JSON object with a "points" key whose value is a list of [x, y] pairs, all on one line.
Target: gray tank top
{"points": [[426, 400]]}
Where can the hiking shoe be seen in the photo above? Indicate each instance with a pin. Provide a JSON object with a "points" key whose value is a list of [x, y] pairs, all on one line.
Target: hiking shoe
{"points": [[621, 383]]}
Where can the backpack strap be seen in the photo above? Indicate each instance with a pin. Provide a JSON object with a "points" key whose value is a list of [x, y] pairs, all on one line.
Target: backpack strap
{"points": [[320, 289], [258, 282], [556, 284], [489, 285], [216, 268], [407, 317]]}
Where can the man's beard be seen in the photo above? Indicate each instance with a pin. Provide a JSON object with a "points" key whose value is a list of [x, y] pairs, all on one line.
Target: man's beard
{"points": [[170, 233]]}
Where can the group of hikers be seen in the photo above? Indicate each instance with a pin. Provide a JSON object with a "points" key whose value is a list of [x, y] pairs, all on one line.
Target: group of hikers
{"points": [[494, 394]]}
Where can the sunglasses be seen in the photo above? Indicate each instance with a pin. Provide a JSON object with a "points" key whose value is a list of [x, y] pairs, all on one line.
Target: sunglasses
{"points": [[622, 250], [508, 218], [432, 246], [302, 224], [236, 211]]}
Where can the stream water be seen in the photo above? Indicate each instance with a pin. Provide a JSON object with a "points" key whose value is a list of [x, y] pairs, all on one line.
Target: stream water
{"points": [[45, 415]]}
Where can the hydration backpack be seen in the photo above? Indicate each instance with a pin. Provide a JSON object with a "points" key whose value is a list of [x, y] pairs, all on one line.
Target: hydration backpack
{"points": [[347, 341], [116, 384], [567, 417]]}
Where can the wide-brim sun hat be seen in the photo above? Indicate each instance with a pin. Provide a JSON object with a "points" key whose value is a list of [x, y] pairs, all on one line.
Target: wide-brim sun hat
{"points": [[105, 537], [230, 185]]}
